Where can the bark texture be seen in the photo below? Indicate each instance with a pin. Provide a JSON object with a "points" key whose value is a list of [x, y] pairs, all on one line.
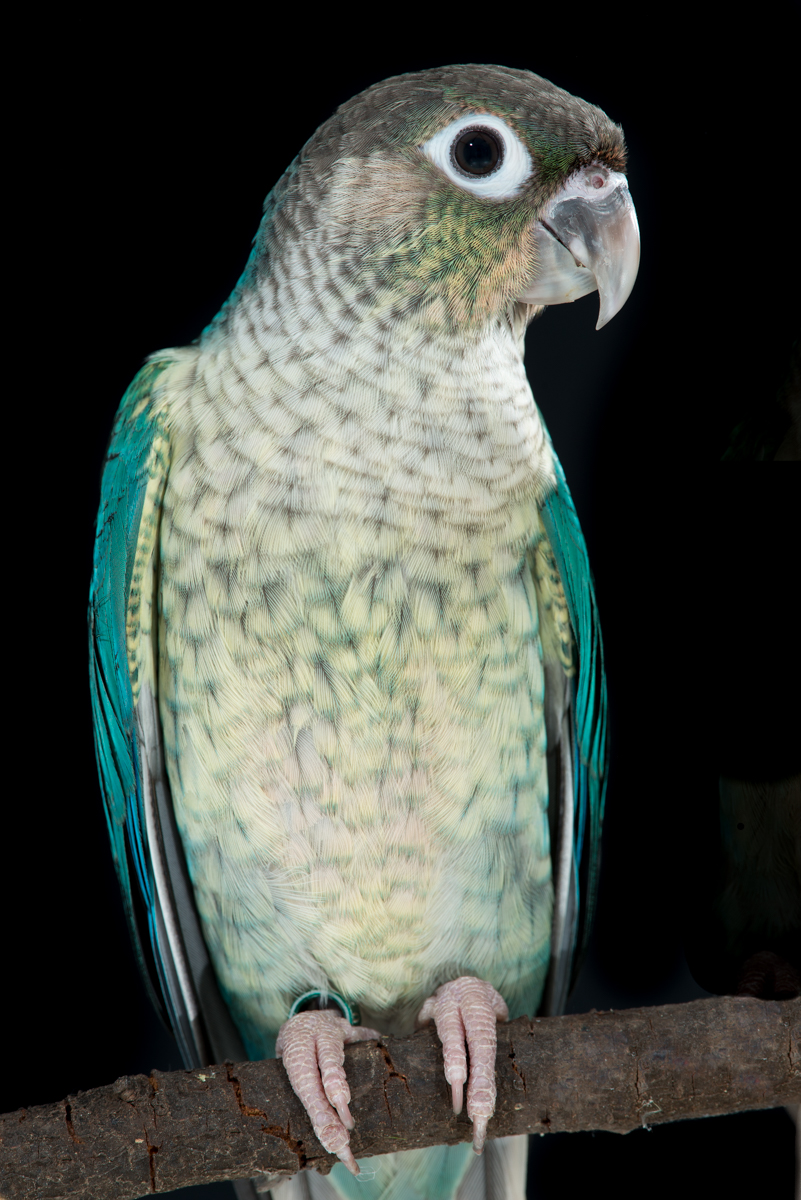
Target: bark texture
{"points": [[609, 1071]]}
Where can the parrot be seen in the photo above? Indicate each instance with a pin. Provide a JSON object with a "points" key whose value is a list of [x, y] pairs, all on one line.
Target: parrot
{"points": [[346, 667]]}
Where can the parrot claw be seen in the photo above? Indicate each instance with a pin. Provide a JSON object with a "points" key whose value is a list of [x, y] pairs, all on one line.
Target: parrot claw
{"points": [[479, 1134], [312, 1046], [466, 1010]]}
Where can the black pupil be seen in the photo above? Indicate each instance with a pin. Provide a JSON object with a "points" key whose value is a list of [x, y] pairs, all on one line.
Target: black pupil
{"points": [[477, 153]]}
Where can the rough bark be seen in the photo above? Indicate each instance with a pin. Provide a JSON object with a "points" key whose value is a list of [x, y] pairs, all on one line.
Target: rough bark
{"points": [[609, 1071]]}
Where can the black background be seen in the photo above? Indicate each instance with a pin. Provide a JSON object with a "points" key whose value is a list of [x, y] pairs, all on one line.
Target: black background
{"points": [[146, 149]]}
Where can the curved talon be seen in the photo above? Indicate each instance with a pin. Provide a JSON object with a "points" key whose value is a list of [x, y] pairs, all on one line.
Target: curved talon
{"points": [[346, 1156], [480, 1133], [312, 1046], [466, 1010]]}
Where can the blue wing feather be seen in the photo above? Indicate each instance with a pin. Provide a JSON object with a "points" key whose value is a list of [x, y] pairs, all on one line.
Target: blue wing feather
{"points": [[589, 696], [125, 479], [145, 843]]}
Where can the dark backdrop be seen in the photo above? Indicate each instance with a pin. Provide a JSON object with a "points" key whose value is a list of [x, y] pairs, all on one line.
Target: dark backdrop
{"points": [[146, 149]]}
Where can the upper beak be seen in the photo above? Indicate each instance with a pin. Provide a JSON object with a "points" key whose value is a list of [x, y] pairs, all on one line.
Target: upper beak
{"points": [[587, 238]]}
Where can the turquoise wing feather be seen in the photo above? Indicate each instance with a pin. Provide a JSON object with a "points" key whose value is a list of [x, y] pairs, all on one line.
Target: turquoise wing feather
{"points": [[589, 705], [145, 844], [125, 478]]}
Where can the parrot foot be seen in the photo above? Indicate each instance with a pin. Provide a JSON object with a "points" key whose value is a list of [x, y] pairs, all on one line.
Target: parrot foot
{"points": [[768, 976], [467, 1010], [312, 1046]]}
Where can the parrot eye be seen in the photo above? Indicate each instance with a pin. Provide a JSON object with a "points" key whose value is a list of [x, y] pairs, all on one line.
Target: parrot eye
{"points": [[481, 154], [477, 152]]}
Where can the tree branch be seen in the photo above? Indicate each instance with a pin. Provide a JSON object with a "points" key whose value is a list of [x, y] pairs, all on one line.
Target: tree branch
{"points": [[609, 1071]]}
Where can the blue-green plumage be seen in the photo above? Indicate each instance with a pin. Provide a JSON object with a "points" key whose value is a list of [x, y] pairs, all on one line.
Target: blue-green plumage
{"points": [[124, 480]]}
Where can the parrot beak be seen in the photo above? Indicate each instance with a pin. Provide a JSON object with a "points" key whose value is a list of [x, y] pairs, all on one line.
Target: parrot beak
{"points": [[587, 239]]}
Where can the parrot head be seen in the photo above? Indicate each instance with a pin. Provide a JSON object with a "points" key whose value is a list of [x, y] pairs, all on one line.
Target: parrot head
{"points": [[458, 191]]}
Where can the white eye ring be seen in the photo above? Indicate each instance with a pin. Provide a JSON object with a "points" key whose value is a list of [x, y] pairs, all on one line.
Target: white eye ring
{"points": [[513, 169]]}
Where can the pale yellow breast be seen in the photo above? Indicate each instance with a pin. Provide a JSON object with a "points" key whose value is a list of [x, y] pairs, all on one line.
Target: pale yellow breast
{"points": [[351, 685]]}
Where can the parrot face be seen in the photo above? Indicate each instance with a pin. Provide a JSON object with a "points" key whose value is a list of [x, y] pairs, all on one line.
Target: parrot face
{"points": [[453, 202], [347, 670]]}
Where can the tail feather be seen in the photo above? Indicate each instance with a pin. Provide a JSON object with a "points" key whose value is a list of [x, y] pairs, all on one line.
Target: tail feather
{"points": [[435, 1173], [499, 1173]]}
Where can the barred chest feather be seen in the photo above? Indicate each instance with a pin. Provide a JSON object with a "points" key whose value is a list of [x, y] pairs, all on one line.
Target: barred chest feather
{"points": [[350, 682]]}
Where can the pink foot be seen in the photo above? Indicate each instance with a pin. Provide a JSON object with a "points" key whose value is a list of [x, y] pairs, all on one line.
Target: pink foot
{"points": [[468, 1009], [312, 1045]]}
